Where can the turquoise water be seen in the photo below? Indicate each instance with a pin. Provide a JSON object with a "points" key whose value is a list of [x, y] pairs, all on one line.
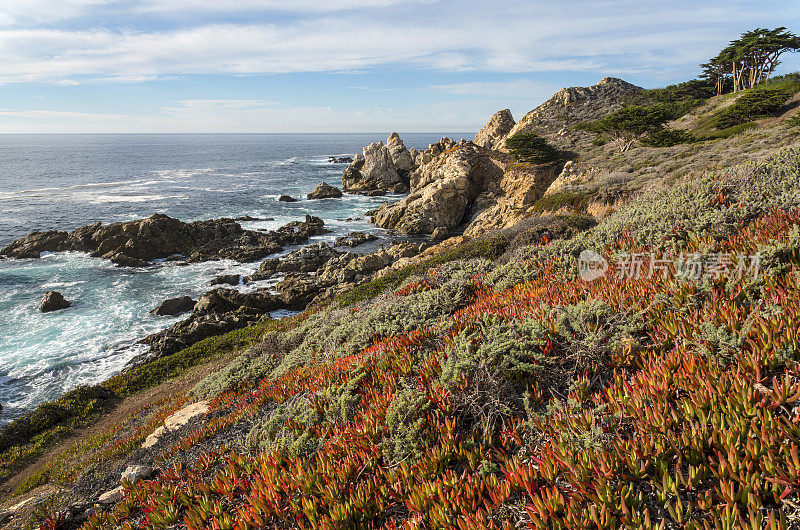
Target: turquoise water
{"points": [[66, 181]]}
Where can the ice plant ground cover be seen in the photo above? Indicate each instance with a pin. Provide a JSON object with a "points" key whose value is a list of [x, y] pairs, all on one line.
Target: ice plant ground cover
{"points": [[548, 401]]}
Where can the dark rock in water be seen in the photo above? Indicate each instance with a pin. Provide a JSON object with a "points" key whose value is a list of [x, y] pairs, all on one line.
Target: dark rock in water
{"points": [[174, 306], [53, 301], [286, 198], [247, 219], [136, 243], [369, 213], [325, 191], [374, 193], [226, 279], [354, 239], [340, 159]]}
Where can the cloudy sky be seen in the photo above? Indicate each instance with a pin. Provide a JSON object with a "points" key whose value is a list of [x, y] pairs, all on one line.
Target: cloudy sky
{"points": [[340, 65]]}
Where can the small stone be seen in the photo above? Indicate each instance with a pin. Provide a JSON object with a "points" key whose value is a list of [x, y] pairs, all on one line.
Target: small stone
{"points": [[111, 497], [287, 198], [134, 474], [53, 301]]}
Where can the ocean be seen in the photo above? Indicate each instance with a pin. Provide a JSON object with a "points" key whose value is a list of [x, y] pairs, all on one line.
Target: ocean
{"points": [[61, 182]]}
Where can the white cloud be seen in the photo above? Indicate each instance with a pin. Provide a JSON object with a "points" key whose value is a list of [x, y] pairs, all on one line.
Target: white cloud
{"points": [[607, 37]]}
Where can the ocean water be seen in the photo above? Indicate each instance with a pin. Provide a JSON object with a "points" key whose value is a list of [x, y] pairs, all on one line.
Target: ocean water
{"points": [[61, 182]]}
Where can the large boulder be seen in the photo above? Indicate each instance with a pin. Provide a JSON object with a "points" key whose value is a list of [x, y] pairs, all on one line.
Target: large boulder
{"points": [[137, 243], [53, 301], [493, 134], [325, 191], [443, 190]]}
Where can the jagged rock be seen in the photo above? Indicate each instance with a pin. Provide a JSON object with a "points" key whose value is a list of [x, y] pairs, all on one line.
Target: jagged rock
{"points": [[375, 169], [401, 157], [325, 191], [287, 198], [226, 279], [297, 290], [53, 301], [225, 300], [136, 243], [443, 190], [174, 306], [216, 312], [354, 239], [426, 157], [511, 199], [307, 259], [495, 131]]}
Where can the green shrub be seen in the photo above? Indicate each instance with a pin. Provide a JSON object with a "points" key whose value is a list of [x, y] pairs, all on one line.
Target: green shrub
{"points": [[406, 419], [162, 369], [588, 332], [290, 426], [491, 248], [729, 132], [74, 409], [340, 332], [564, 199], [256, 363], [759, 102], [677, 99], [794, 121], [487, 366], [531, 148], [667, 138]]}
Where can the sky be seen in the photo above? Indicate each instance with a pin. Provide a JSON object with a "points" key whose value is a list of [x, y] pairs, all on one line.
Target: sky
{"points": [[295, 66]]}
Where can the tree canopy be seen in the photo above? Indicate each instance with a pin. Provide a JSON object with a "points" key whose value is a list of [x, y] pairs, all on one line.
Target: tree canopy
{"points": [[631, 123], [750, 59]]}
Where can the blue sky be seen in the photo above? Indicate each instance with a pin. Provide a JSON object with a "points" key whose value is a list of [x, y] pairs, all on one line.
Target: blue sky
{"points": [[340, 65]]}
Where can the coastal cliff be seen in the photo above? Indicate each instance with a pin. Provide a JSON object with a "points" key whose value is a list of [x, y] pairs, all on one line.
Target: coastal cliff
{"points": [[519, 370]]}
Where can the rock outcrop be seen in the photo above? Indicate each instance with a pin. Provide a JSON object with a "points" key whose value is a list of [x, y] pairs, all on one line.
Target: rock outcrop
{"points": [[573, 105], [174, 306], [325, 191], [443, 189], [380, 168], [286, 198], [354, 239], [53, 301], [216, 312], [137, 243], [493, 134]]}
